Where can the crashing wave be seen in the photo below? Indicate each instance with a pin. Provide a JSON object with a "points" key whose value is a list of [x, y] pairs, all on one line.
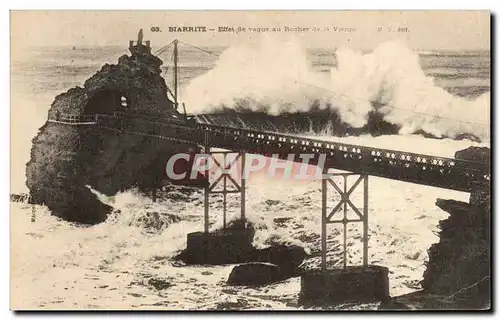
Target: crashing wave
{"points": [[276, 78]]}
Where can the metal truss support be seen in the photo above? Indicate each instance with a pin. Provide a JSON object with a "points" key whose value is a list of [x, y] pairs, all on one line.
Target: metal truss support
{"points": [[229, 183], [342, 206]]}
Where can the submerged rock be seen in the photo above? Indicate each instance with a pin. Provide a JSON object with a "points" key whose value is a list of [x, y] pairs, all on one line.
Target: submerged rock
{"points": [[155, 222], [467, 136], [278, 262], [159, 284], [287, 258], [327, 120], [317, 120]]}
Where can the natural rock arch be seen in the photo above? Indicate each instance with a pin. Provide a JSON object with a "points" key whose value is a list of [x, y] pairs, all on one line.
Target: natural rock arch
{"points": [[106, 101]]}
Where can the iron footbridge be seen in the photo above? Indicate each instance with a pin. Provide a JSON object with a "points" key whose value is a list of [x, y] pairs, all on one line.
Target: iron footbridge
{"points": [[441, 172]]}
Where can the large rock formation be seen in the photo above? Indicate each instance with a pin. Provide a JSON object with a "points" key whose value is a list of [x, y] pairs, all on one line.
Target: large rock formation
{"points": [[459, 268], [314, 120], [459, 265], [277, 262], [65, 158], [255, 274]]}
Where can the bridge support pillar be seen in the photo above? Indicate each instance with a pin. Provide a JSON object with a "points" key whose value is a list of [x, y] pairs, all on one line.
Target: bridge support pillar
{"points": [[346, 283], [225, 181], [228, 244], [344, 205]]}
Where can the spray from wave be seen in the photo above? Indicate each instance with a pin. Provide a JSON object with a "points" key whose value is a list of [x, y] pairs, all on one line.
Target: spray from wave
{"points": [[165, 221], [276, 77]]}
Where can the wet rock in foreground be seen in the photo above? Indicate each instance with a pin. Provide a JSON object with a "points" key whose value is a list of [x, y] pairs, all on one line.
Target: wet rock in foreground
{"points": [[459, 264], [287, 258], [159, 284], [255, 274]]}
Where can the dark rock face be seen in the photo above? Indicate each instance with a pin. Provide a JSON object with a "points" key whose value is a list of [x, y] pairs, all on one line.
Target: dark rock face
{"points": [[65, 159], [278, 262], [474, 154], [159, 284], [459, 264], [255, 274], [462, 257], [315, 120]]}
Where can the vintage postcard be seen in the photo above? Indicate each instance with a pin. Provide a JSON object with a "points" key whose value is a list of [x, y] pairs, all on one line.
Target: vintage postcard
{"points": [[250, 160]]}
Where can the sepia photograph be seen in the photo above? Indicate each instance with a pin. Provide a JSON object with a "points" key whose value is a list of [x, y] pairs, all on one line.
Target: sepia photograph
{"points": [[250, 160]]}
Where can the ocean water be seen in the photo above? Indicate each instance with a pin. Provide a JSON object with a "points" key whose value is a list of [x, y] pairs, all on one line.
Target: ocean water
{"points": [[59, 265]]}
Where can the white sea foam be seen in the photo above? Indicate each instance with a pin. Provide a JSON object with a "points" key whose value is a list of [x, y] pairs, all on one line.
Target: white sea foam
{"points": [[278, 76]]}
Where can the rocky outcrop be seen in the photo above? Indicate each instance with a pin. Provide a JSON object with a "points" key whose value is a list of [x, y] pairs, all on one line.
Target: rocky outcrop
{"points": [[155, 222], [68, 159], [462, 256], [288, 258], [459, 265], [277, 262], [474, 154], [320, 121], [327, 121]]}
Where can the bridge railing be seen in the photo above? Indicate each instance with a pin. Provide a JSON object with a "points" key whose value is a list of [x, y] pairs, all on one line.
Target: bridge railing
{"points": [[407, 166], [72, 118], [436, 171], [176, 130]]}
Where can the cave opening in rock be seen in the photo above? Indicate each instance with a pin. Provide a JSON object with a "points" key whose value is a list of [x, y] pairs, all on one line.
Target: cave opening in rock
{"points": [[107, 102]]}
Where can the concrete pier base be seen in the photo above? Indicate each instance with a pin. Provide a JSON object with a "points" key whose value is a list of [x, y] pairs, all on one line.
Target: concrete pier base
{"points": [[355, 283], [219, 247]]}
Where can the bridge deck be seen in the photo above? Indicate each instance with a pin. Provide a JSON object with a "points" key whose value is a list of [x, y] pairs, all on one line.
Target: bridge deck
{"points": [[423, 169], [461, 175]]}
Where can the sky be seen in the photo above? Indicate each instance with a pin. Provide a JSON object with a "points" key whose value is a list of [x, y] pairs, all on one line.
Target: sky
{"points": [[422, 30]]}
